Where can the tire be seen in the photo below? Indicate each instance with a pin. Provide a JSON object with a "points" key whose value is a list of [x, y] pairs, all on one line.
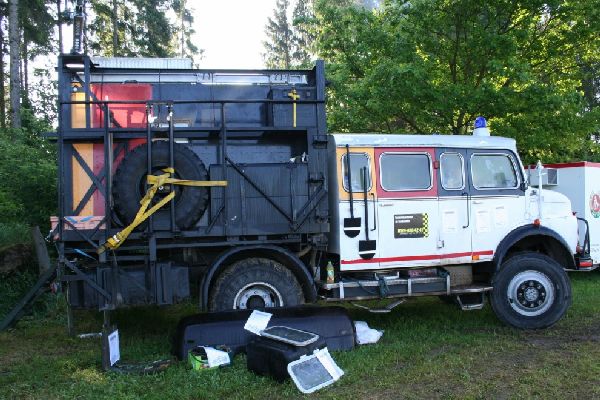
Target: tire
{"points": [[129, 184], [531, 291], [255, 283]]}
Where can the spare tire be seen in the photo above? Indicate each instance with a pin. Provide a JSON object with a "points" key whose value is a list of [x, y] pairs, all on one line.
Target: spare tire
{"points": [[129, 184]]}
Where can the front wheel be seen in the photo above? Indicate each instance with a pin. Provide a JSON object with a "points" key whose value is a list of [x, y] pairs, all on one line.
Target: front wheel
{"points": [[531, 291], [255, 283]]}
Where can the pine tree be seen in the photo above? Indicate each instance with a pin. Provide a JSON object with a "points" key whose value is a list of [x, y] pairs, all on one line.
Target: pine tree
{"points": [[37, 29], [304, 35], [112, 29], [15, 60], [153, 29], [184, 31], [279, 43]]}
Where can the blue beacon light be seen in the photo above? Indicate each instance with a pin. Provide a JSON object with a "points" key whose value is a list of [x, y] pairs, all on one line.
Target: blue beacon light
{"points": [[481, 128], [480, 122]]}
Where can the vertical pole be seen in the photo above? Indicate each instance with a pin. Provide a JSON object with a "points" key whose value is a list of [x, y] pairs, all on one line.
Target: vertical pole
{"points": [[149, 152], [224, 165], [108, 169], [87, 91], [70, 319], [172, 164]]}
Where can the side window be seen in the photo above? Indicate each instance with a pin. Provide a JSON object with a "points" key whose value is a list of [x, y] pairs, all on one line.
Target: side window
{"points": [[357, 162], [405, 172], [493, 171], [452, 171]]}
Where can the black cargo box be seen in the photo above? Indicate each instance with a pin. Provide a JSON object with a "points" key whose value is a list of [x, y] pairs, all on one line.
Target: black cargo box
{"points": [[270, 357], [333, 324]]}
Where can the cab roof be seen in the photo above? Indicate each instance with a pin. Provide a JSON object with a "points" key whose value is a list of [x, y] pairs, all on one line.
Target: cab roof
{"points": [[402, 140]]}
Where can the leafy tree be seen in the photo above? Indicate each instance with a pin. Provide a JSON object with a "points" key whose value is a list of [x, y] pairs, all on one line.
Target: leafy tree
{"points": [[27, 166], [427, 66]]}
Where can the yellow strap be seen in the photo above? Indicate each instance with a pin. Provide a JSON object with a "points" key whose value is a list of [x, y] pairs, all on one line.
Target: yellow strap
{"points": [[143, 213]]}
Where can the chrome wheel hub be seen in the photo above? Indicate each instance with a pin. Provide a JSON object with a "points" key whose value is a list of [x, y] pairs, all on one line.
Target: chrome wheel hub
{"points": [[531, 293], [257, 295]]}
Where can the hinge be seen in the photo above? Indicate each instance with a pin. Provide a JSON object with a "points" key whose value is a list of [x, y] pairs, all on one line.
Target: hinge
{"points": [[320, 141], [316, 177]]}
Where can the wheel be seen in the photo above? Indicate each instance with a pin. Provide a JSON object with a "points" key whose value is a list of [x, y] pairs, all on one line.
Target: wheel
{"points": [[255, 283], [531, 291], [129, 184]]}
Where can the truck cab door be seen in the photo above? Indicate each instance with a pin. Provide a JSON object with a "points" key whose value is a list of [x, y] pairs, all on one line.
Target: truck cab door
{"points": [[407, 207], [497, 199], [453, 190]]}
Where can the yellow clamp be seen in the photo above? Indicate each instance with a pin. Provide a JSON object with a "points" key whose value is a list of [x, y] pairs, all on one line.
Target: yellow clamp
{"points": [[143, 213], [294, 96]]}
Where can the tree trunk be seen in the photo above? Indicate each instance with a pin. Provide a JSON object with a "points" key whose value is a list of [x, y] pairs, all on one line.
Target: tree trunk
{"points": [[2, 77], [25, 82], [181, 15], [115, 27], [15, 81]]}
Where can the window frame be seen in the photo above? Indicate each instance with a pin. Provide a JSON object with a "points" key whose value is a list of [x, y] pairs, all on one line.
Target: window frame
{"points": [[513, 163], [343, 169], [405, 153], [462, 166]]}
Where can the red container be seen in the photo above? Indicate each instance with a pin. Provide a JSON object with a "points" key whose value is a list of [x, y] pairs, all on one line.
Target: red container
{"points": [[122, 115]]}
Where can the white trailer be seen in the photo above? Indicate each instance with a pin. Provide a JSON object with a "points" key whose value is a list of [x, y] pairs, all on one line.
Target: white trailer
{"points": [[580, 182]]}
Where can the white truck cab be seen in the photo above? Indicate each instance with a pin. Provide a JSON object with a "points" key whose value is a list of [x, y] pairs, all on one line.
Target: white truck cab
{"points": [[451, 216]]}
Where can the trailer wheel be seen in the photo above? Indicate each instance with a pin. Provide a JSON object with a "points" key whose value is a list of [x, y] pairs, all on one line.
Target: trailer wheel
{"points": [[129, 184], [531, 291], [255, 283]]}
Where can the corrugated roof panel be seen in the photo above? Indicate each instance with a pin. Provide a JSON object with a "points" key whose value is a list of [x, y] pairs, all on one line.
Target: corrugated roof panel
{"points": [[142, 63]]}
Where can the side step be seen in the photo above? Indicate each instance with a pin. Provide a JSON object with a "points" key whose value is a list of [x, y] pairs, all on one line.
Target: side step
{"points": [[398, 287], [471, 301]]}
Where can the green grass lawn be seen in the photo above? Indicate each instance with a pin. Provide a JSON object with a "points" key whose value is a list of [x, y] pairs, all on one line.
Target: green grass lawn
{"points": [[429, 350]]}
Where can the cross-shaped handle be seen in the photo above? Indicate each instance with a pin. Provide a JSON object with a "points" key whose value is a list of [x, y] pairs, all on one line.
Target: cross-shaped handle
{"points": [[294, 96]]}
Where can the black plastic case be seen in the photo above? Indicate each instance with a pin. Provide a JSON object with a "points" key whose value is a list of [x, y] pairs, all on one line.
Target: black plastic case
{"points": [[333, 324], [271, 357]]}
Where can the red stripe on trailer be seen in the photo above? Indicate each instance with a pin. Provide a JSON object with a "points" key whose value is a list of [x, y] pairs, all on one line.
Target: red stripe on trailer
{"points": [[420, 258]]}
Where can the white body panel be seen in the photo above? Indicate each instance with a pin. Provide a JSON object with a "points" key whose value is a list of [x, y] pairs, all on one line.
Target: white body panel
{"points": [[411, 251], [580, 182]]}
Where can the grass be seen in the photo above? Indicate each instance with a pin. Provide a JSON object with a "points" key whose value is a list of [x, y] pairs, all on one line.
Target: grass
{"points": [[429, 350]]}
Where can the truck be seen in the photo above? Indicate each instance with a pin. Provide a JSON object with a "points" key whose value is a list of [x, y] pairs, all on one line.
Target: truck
{"points": [[225, 185]]}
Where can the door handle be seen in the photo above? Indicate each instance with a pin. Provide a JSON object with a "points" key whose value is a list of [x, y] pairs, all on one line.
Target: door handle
{"points": [[468, 210], [385, 204], [477, 201], [374, 214]]}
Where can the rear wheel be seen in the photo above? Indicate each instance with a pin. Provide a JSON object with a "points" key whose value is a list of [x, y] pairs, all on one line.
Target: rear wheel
{"points": [[255, 283], [531, 291]]}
